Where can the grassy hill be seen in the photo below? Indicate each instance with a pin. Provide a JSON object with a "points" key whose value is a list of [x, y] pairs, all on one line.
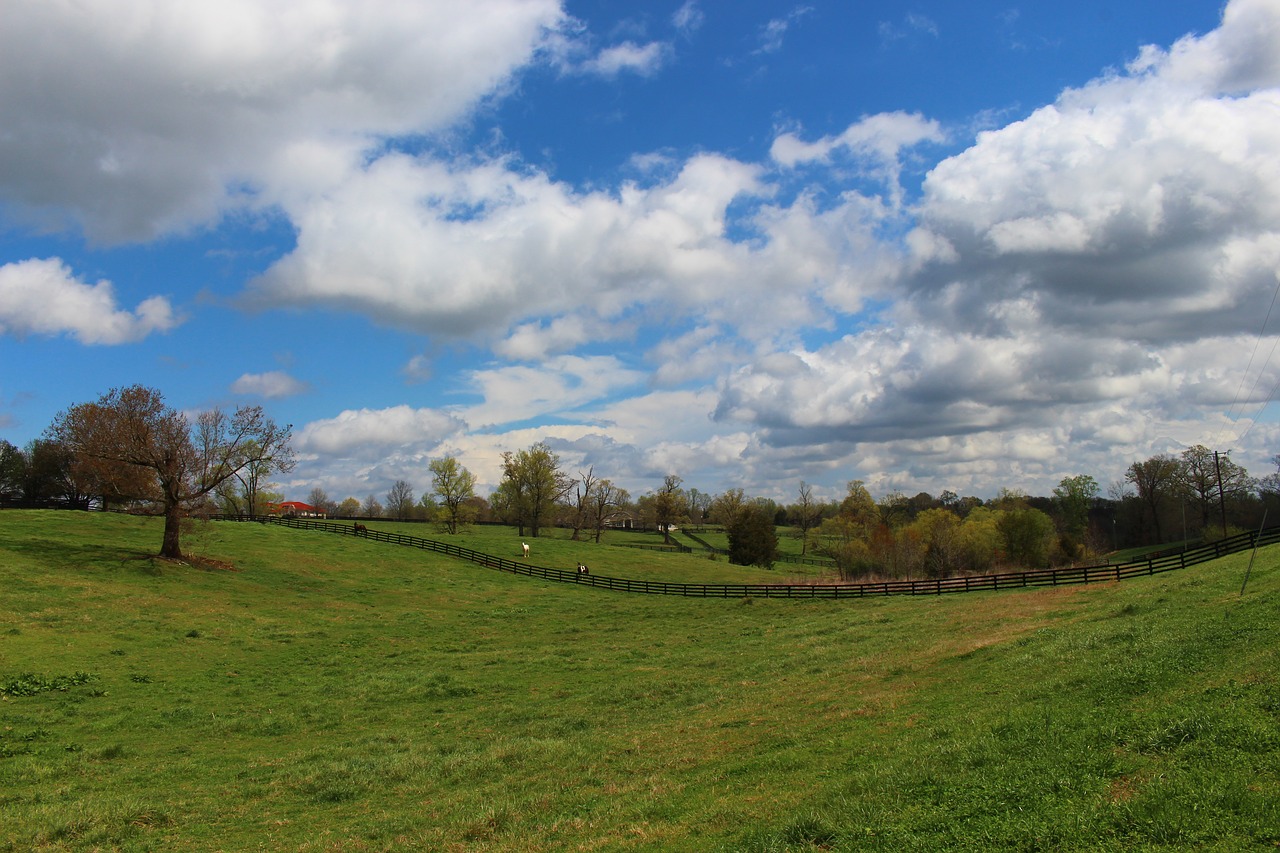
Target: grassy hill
{"points": [[326, 693]]}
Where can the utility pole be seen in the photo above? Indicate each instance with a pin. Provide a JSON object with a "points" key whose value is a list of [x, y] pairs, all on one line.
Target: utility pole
{"points": [[1222, 502]]}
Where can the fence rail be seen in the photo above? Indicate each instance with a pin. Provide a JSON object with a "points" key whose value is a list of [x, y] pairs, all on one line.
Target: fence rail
{"points": [[1151, 565]]}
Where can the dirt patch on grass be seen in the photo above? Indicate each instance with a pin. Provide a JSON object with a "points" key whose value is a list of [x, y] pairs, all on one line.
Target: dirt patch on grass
{"points": [[190, 561]]}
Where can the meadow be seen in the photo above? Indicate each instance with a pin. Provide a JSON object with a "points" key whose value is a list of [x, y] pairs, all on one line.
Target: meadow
{"points": [[314, 692]]}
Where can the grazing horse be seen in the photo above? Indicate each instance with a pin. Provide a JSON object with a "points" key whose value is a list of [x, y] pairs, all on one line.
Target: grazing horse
{"points": [[524, 546], [361, 530], [582, 569]]}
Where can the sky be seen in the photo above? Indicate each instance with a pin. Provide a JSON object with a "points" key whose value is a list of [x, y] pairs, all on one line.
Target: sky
{"points": [[931, 246]]}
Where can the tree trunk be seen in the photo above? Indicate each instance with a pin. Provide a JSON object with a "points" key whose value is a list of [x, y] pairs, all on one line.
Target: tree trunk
{"points": [[172, 548]]}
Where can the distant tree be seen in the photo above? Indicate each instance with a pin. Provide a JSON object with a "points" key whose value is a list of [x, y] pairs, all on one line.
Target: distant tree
{"points": [[1157, 481], [371, 508], [400, 500], [349, 508], [605, 501], [938, 531], [11, 465], [131, 428], [532, 484], [844, 540], [669, 505], [319, 499], [980, 539], [895, 509], [1211, 479], [753, 538], [255, 466], [726, 506], [43, 471], [579, 498], [1027, 535], [860, 509], [921, 502], [805, 514], [699, 505], [1073, 497], [454, 485]]}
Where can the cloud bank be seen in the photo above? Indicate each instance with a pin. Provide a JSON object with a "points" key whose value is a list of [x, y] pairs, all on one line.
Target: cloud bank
{"points": [[1064, 293]]}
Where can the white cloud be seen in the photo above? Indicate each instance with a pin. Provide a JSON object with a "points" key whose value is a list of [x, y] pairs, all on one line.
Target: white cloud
{"points": [[774, 32], [557, 386], [688, 18], [875, 143], [1103, 263], [477, 251], [370, 433], [643, 59], [42, 296], [146, 117], [272, 385]]}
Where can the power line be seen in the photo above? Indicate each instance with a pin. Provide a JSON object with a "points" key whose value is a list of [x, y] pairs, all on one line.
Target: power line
{"points": [[1261, 372]]}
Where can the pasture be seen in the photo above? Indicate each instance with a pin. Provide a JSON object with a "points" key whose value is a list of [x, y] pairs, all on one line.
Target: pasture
{"points": [[315, 692]]}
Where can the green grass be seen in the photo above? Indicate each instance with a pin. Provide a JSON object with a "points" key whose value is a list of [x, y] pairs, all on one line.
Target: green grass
{"points": [[331, 693]]}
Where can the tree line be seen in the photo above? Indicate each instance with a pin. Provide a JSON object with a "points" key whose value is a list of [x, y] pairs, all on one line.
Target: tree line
{"points": [[129, 448]]}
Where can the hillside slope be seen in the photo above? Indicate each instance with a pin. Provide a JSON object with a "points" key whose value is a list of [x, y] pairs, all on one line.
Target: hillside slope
{"points": [[328, 693]]}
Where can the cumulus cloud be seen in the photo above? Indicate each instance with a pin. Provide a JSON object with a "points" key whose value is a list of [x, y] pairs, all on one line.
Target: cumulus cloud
{"points": [[43, 297], [879, 137], [370, 433], [1142, 205], [272, 385], [473, 251], [1102, 263], [1085, 277], [518, 392], [152, 117]]}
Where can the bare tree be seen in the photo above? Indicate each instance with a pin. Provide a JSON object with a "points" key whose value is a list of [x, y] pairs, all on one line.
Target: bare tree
{"points": [[131, 428], [319, 499], [606, 501], [371, 508], [805, 515], [580, 511], [400, 500]]}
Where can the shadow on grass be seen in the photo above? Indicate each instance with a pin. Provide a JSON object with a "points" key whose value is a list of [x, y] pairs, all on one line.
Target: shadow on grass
{"points": [[80, 554]]}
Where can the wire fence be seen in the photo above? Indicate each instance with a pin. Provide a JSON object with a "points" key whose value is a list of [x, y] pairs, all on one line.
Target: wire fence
{"points": [[1152, 564]]}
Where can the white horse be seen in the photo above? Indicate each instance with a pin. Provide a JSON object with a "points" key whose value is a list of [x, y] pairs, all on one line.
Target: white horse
{"points": [[525, 547]]}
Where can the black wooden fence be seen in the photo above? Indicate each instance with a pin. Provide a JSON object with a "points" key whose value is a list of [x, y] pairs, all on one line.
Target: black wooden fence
{"points": [[1150, 565]]}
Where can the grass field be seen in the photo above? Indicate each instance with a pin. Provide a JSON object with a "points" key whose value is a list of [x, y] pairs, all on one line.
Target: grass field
{"points": [[330, 693]]}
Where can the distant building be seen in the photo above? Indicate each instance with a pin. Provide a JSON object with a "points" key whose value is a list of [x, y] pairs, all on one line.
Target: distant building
{"points": [[295, 509]]}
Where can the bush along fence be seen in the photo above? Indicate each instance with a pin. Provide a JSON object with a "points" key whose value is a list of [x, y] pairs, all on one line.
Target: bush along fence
{"points": [[1151, 565], [781, 558]]}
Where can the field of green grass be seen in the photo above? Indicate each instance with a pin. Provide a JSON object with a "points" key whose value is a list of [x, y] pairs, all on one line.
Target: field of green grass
{"points": [[328, 693]]}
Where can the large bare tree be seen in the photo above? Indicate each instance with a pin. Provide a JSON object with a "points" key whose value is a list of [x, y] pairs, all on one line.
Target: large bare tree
{"points": [[131, 428]]}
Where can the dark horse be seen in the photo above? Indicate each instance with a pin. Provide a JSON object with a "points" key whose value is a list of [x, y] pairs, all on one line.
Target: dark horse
{"points": [[361, 530]]}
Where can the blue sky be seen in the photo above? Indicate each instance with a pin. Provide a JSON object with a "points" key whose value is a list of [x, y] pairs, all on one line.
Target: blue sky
{"points": [[930, 245]]}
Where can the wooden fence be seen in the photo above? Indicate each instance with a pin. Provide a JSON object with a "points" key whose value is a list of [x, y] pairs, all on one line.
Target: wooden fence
{"points": [[1151, 565]]}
